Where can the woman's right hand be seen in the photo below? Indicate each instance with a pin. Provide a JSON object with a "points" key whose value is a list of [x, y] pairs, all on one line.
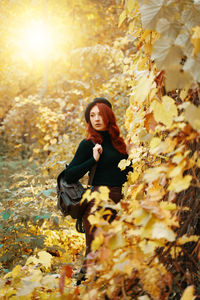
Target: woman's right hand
{"points": [[97, 150]]}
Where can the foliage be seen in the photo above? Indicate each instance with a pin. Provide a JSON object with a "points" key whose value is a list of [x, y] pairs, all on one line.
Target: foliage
{"points": [[162, 194], [148, 67]]}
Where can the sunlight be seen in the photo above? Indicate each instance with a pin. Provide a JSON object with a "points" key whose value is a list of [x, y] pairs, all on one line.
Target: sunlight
{"points": [[37, 39]]}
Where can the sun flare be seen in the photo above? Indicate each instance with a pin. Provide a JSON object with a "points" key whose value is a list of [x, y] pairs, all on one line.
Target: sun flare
{"points": [[37, 39]]}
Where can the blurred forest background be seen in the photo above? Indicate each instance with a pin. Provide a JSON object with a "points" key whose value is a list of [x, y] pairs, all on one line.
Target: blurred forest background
{"points": [[144, 56]]}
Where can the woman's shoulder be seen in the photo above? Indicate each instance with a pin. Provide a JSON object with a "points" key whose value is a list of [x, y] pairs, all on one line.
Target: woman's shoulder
{"points": [[86, 143]]}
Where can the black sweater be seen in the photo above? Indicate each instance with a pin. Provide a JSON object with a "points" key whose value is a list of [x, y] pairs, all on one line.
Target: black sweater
{"points": [[107, 172]]}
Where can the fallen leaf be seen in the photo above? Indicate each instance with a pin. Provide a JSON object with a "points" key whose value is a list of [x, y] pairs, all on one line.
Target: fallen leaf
{"points": [[66, 272]]}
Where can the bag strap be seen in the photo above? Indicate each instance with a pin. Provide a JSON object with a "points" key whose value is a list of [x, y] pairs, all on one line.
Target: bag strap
{"points": [[91, 177]]}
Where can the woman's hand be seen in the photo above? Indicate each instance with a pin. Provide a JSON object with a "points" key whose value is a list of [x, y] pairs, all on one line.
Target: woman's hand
{"points": [[97, 150]]}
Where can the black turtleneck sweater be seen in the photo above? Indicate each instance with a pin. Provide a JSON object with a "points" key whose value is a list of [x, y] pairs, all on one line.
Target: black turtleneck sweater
{"points": [[107, 172]]}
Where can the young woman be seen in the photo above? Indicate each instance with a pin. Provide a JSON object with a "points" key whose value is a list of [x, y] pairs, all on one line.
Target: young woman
{"points": [[103, 146]]}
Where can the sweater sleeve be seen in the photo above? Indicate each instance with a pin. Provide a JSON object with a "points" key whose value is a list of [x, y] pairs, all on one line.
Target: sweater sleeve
{"points": [[82, 162]]}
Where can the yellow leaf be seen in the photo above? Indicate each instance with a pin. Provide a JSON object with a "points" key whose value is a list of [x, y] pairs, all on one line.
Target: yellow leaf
{"points": [[36, 151], [177, 158], [192, 115], [180, 183], [188, 293], [16, 271], [145, 297], [104, 191], [144, 86], [178, 170], [125, 267], [122, 17], [165, 112], [53, 141], [18, 146], [195, 39], [32, 260], [46, 147], [47, 137], [45, 258], [117, 241], [176, 78], [161, 231], [141, 217], [183, 94], [154, 142], [97, 242], [155, 191], [186, 239], [134, 176], [198, 163], [13, 273], [154, 173], [168, 205], [148, 247], [123, 164], [93, 220], [35, 275], [130, 4], [51, 282]]}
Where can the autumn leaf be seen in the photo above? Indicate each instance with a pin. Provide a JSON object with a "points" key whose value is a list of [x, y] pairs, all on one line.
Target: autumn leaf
{"points": [[97, 242], [192, 115], [195, 39], [188, 293], [179, 183], [186, 239], [124, 266], [130, 4], [192, 66], [134, 176], [66, 272], [155, 142], [164, 112], [145, 297], [44, 258], [149, 122], [116, 241], [161, 231], [123, 164], [122, 17], [150, 13], [144, 86]]}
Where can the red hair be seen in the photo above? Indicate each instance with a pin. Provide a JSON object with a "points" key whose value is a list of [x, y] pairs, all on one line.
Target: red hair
{"points": [[110, 122]]}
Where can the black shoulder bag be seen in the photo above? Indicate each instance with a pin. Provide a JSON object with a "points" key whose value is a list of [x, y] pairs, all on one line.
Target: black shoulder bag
{"points": [[69, 196]]}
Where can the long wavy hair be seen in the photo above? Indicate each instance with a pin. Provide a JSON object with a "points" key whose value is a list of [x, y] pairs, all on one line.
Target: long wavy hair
{"points": [[110, 122]]}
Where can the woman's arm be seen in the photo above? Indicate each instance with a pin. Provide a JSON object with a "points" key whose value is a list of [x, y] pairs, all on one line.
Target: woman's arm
{"points": [[82, 162]]}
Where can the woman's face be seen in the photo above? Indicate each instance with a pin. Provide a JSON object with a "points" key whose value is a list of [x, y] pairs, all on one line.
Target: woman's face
{"points": [[96, 119]]}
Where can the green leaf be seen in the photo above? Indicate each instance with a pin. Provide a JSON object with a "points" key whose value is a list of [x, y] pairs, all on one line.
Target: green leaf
{"points": [[45, 216], [6, 216]]}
